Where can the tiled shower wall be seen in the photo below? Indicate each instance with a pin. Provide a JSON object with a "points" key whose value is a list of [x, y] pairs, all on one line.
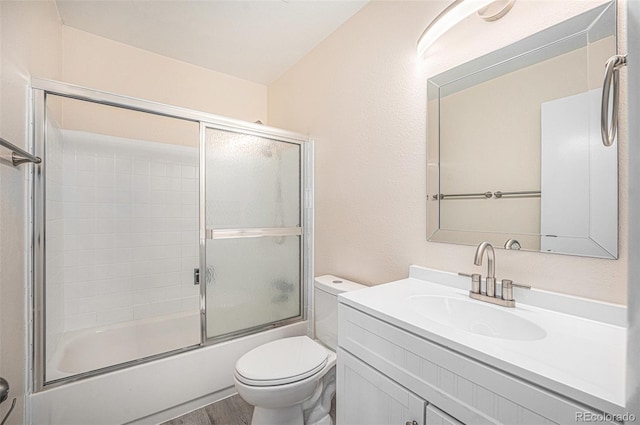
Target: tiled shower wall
{"points": [[130, 227]]}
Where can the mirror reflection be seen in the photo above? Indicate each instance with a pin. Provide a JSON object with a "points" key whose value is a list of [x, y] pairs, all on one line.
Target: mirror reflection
{"points": [[514, 145]]}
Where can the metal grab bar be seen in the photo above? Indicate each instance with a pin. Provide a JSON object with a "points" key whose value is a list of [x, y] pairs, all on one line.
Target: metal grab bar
{"points": [[22, 155], [611, 83], [489, 195], [524, 193], [486, 195]]}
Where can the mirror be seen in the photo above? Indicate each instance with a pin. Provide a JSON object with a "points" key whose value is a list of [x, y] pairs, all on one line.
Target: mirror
{"points": [[514, 144]]}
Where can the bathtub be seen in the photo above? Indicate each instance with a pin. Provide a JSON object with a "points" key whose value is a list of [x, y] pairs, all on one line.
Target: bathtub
{"points": [[148, 393], [95, 348]]}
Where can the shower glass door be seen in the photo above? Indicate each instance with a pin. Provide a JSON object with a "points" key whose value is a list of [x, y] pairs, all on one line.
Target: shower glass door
{"points": [[251, 231], [119, 189]]}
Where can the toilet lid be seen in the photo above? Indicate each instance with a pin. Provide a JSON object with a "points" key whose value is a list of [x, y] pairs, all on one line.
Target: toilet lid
{"points": [[281, 362]]}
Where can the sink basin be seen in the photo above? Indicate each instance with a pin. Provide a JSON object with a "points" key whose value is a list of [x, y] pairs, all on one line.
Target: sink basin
{"points": [[476, 317]]}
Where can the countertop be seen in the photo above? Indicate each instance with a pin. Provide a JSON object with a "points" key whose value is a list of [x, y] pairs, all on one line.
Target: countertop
{"points": [[581, 358]]}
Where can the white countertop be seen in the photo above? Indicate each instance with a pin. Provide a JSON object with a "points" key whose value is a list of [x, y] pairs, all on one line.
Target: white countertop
{"points": [[581, 358]]}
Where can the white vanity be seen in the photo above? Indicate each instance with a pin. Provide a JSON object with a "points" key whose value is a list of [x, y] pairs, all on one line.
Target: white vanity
{"points": [[420, 351]]}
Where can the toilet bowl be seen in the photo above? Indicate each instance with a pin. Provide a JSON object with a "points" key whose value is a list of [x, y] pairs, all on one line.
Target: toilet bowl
{"points": [[292, 380]]}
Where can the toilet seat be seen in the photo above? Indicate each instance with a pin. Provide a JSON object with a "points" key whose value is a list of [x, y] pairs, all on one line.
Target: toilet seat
{"points": [[280, 362]]}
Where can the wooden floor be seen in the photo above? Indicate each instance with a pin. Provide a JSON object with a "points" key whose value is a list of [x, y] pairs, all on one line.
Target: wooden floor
{"points": [[230, 411]]}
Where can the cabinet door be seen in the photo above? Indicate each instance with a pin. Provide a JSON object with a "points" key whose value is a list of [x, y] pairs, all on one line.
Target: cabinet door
{"points": [[367, 397], [436, 416]]}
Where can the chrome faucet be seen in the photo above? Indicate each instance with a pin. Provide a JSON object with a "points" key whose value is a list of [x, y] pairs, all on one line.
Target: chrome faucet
{"points": [[476, 292], [491, 266]]}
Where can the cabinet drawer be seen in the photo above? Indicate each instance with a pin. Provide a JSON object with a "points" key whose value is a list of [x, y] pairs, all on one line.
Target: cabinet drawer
{"points": [[471, 391]]}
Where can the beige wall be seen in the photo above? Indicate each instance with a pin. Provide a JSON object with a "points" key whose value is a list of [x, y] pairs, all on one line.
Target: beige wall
{"points": [[99, 63], [361, 94], [30, 45]]}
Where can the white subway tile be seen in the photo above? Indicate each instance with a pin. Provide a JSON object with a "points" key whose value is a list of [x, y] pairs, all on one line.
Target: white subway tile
{"points": [[189, 251], [124, 255], [189, 172], [173, 306], [85, 178], [173, 278], [141, 182], [158, 183], [112, 301], [174, 170], [190, 211], [119, 315], [150, 295], [191, 290], [127, 230], [105, 179], [158, 168], [124, 196], [105, 211], [173, 183], [123, 225], [190, 198], [106, 195], [106, 163], [104, 241], [123, 164], [158, 197], [79, 321], [85, 194], [141, 166], [113, 286], [80, 305], [190, 304], [104, 225], [189, 185], [74, 291], [158, 309]]}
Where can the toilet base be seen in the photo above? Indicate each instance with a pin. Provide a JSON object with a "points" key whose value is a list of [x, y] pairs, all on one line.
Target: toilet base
{"points": [[283, 416]]}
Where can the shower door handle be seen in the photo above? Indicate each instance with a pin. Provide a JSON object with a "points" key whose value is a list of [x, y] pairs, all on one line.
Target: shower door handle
{"points": [[253, 232], [196, 276]]}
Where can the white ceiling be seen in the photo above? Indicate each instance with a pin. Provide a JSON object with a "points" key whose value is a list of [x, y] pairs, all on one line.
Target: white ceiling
{"points": [[252, 40]]}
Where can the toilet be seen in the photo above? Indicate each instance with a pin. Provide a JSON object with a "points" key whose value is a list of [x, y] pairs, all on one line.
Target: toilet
{"points": [[292, 380]]}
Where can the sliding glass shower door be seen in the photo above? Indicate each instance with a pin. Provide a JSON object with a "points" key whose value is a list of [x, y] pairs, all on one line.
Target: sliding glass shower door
{"points": [[158, 230], [252, 231]]}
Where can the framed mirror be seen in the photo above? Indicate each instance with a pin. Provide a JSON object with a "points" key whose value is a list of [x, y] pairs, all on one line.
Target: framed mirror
{"points": [[515, 155]]}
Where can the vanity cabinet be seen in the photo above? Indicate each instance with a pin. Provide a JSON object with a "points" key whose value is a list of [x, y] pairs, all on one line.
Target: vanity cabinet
{"points": [[388, 375], [373, 398]]}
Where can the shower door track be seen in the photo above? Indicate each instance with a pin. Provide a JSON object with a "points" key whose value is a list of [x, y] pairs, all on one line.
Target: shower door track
{"points": [[40, 88]]}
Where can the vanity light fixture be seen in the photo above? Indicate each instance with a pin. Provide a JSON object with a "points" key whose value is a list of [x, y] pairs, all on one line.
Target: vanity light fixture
{"points": [[489, 10]]}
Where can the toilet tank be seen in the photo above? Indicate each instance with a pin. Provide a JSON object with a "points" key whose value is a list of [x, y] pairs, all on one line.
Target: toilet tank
{"points": [[325, 294]]}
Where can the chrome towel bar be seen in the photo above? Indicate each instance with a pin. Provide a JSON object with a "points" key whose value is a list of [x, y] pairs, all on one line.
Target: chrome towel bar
{"points": [[19, 156], [522, 194], [489, 195], [486, 195]]}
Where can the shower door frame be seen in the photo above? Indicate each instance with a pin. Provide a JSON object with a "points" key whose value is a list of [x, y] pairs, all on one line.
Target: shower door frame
{"points": [[40, 89]]}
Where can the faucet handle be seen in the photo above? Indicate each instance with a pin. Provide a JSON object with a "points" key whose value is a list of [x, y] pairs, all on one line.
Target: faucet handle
{"points": [[476, 281], [507, 288]]}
